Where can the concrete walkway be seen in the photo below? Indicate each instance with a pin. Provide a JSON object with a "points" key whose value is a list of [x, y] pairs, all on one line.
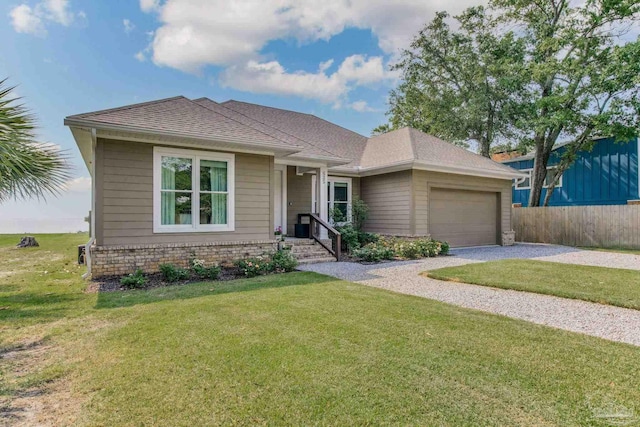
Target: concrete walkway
{"points": [[612, 323]]}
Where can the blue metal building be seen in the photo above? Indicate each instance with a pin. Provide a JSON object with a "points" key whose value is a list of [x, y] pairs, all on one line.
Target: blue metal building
{"points": [[606, 175]]}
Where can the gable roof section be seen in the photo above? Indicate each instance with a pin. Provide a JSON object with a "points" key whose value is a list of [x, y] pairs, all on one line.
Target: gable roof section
{"points": [[179, 117], [308, 152], [411, 146], [318, 132]]}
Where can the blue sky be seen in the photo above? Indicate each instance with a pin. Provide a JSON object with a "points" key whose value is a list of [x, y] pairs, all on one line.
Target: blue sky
{"points": [[66, 57]]}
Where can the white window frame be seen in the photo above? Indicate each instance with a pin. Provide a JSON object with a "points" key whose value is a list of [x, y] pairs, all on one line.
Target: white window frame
{"points": [[515, 183], [196, 157], [559, 184], [530, 172], [331, 180]]}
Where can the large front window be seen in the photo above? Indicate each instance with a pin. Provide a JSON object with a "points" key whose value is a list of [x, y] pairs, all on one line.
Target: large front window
{"points": [[193, 191]]}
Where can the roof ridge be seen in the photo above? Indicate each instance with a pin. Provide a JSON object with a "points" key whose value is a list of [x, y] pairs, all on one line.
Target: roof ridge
{"points": [[297, 112], [231, 118], [126, 107], [280, 130]]}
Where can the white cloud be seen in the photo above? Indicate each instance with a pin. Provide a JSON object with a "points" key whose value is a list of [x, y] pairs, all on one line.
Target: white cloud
{"points": [[271, 77], [361, 106], [192, 35], [58, 11], [33, 20], [25, 20], [128, 26], [78, 185], [140, 56], [149, 5]]}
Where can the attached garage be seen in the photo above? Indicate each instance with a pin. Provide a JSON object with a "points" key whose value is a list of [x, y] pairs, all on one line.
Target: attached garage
{"points": [[463, 217]]}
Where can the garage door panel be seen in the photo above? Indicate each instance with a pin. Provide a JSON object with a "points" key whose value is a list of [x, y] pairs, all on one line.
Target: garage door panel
{"points": [[463, 218]]}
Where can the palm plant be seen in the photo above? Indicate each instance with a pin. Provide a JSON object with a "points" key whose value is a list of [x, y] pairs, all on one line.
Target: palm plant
{"points": [[28, 169]]}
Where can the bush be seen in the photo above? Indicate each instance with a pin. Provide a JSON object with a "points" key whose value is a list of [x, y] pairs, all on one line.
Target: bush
{"points": [[388, 248], [134, 280], [172, 273], [373, 253], [350, 237], [252, 267], [366, 238], [283, 262], [199, 269]]}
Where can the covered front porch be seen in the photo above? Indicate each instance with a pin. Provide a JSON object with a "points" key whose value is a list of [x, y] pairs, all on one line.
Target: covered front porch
{"points": [[304, 197]]}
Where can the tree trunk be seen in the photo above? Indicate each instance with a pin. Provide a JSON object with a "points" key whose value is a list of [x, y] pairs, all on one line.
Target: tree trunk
{"points": [[538, 175]]}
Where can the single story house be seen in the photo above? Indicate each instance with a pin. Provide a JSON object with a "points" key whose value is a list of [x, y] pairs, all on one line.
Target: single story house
{"points": [[179, 178], [606, 175]]}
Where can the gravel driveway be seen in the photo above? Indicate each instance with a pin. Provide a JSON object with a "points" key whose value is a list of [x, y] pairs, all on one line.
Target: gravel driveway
{"points": [[612, 323]]}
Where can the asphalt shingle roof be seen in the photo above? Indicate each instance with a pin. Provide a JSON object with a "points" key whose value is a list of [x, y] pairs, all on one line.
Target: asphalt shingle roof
{"points": [[308, 150], [314, 130], [408, 144], [183, 117], [304, 135]]}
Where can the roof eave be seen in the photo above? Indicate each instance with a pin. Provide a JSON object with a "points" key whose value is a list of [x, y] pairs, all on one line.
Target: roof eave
{"points": [[433, 167], [282, 149]]}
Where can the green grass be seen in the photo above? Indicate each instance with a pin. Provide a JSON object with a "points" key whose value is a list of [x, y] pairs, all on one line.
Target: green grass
{"points": [[596, 284], [294, 349], [619, 250]]}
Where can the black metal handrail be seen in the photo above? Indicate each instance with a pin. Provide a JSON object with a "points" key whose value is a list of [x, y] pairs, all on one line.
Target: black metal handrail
{"points": [[315, 225]]}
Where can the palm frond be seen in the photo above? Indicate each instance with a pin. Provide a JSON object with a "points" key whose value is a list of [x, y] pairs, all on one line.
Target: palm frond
{"points": [[28, 169]]}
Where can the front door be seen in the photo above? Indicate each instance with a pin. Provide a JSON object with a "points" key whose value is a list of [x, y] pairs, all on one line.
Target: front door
{"points": [[280, 199], [338, 196]]}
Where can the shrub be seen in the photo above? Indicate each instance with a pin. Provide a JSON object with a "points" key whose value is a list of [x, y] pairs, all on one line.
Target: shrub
{"points": [[388, 248], [172, 273], [199, 269], [366, 238], [252, 267], [283, 262], [373, 253], [134, 280], [359, 213], [350, 237]]}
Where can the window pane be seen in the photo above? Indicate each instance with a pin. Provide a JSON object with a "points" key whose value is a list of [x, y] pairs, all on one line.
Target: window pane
{"points": [[213, 175], [547, 179], [524, 183], [340, 191], [213, 208], [175, 208], [176, 173]]}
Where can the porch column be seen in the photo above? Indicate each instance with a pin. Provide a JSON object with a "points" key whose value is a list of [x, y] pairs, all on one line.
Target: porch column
{"points": [[321, 197]]}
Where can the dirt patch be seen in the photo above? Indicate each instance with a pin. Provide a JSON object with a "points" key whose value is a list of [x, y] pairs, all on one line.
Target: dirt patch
{"points": [[112, 283]]}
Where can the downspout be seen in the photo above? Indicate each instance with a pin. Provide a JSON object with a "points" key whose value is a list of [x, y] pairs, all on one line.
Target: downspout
{"points": [[92, 219]]}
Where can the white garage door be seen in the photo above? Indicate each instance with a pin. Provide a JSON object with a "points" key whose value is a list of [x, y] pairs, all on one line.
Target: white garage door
{"points": [[463, 218]]}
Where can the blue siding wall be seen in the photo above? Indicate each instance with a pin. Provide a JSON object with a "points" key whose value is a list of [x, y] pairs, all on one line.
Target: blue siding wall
{"points": [[607, 175]]}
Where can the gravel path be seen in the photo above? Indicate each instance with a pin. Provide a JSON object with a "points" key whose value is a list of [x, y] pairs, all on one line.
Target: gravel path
{"points": [[612, 323]]}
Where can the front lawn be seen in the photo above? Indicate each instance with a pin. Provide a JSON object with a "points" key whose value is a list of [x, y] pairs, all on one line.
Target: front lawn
{"points": [[293, 349], [619, 250], [596, 284]]}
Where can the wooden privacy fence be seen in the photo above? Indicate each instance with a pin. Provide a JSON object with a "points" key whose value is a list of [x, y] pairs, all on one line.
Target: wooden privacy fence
{"points": [[601, 226]]}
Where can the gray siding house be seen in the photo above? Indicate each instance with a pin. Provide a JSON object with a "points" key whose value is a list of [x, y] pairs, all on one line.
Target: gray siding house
{"points": [[178, 178]]}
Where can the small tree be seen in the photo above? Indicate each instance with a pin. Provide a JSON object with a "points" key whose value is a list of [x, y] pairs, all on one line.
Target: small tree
{"points": [[27, 169]]}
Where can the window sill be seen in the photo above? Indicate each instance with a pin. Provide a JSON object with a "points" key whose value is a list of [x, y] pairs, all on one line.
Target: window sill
{"points": [[191, 230]]}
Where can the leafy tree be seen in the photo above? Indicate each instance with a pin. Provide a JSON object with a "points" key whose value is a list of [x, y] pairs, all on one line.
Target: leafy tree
{"points": [[579, 79], [27, 169], [456, 84]]}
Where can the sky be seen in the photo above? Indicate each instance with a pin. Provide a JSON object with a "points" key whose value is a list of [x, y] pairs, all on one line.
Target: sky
{"points": [[329, 58]]}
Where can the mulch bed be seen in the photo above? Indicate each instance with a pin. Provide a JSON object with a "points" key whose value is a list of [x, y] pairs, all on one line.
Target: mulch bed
{"points": [[155, 280]]}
